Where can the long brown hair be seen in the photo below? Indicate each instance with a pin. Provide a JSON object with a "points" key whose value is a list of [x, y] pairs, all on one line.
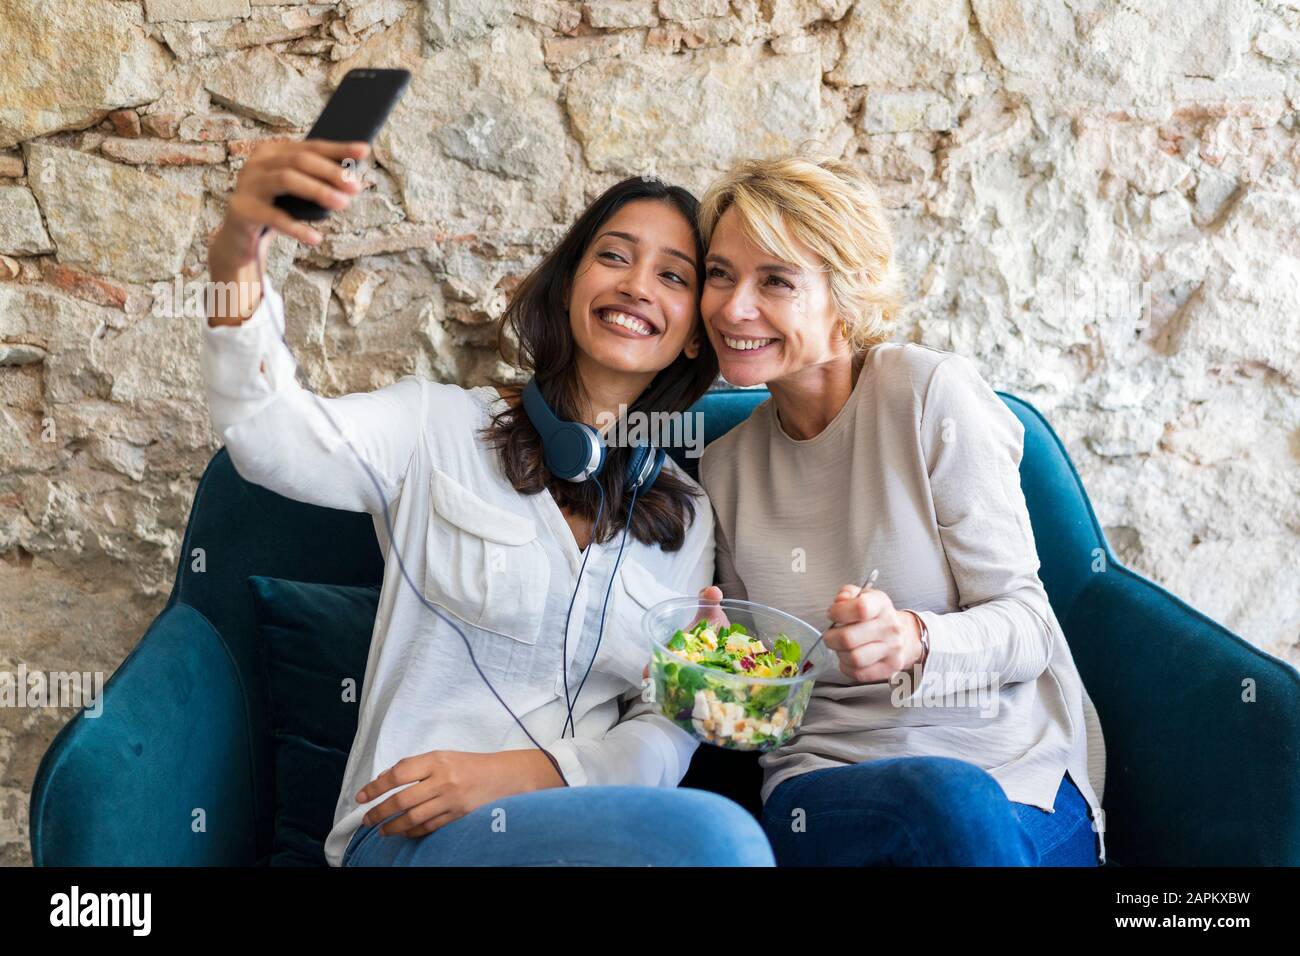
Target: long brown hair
{"points": [[539, 320]]}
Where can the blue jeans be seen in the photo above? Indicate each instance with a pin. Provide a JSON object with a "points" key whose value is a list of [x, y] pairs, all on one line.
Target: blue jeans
{"points": [[580, 826], [922, 811]]}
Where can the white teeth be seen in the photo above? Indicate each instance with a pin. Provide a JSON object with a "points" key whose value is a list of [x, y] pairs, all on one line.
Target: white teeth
{"points": [[630, 322], [746, 344]]}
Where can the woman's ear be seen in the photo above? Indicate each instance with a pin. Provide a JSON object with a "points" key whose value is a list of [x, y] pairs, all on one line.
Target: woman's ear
{"points": [[692, 346]]}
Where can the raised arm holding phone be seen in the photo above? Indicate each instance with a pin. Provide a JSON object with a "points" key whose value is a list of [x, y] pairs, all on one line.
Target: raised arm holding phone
{"points": [[321, 170]]}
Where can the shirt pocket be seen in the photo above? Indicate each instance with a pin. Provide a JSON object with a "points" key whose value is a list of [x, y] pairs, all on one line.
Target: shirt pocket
{"points": [[484, 563], [625, 652]]}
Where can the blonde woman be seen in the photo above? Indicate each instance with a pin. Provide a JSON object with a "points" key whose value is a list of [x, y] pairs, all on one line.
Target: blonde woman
{"points": [[957, 730]]}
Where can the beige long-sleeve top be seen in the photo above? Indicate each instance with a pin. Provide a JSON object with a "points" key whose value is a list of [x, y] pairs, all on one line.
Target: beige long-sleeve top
{"points": [[918, 476]]}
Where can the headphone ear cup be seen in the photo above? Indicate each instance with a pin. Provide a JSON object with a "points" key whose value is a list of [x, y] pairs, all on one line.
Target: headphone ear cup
{"points": [[657, 466], [574, 452], [643, 467], [635, 467]]}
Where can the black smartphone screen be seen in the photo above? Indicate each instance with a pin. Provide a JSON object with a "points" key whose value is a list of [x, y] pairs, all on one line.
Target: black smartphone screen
{"points": [[355, 112]]}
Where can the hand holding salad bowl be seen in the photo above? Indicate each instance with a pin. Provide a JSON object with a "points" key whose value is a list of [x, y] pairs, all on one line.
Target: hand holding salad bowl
{"points": [[733, 673]]}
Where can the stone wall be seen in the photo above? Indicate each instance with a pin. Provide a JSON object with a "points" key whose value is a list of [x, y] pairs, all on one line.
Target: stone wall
{"points": [[1095, 200]]}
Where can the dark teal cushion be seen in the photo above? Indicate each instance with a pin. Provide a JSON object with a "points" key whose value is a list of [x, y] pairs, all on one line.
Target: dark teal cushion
{"points": [[313, 637]]}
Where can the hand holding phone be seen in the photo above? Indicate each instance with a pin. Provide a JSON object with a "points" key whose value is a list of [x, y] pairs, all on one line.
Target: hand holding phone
{"points": [[285, 184], [238, 249], [354, 113], [311, 169]]}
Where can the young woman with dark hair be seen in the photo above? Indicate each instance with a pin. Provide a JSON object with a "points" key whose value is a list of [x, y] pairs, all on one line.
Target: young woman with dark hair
{"points": [[500, 721]]}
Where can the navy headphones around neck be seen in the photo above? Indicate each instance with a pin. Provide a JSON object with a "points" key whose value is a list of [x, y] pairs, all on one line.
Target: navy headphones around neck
{"points": [[574, 451]]}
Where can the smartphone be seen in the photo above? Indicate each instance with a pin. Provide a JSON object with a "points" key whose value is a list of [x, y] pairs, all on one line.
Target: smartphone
{"points": [[354, 113]]}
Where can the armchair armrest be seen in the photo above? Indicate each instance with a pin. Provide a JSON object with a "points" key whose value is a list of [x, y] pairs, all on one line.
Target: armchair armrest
{"points": [[162, 776], [1202, 730]]}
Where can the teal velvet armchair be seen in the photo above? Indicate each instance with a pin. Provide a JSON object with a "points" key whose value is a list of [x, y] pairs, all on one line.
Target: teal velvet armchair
{"points": [[1195, 776]]}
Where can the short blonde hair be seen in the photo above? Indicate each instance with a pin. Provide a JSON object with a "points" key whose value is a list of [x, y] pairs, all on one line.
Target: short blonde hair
{"points": [[832, 208]]}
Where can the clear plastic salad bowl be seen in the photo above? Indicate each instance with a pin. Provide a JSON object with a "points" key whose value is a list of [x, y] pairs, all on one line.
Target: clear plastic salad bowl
{"points": [[727, 708]]}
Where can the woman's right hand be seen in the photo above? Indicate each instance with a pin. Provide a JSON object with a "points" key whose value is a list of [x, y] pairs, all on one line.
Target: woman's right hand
{"points": [[311, 169], [715, 616]]}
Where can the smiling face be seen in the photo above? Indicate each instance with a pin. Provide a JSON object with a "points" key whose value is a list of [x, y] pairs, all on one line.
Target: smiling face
{"points": [[766, 317], [633, 299]]}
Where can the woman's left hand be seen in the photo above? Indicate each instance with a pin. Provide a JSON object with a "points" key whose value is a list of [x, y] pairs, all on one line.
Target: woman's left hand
{"points": [[447, 784], [872, 639]]}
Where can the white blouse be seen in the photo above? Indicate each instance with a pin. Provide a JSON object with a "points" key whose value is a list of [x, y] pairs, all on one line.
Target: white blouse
{"points": [[504, 564]]}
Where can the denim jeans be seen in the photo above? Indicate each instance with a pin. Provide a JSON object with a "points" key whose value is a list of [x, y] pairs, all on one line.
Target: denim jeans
{"points": [[580, 826], [922, 811]]}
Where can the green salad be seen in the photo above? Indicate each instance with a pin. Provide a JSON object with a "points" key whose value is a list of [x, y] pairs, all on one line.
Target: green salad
{"points": [[715, 701]]}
